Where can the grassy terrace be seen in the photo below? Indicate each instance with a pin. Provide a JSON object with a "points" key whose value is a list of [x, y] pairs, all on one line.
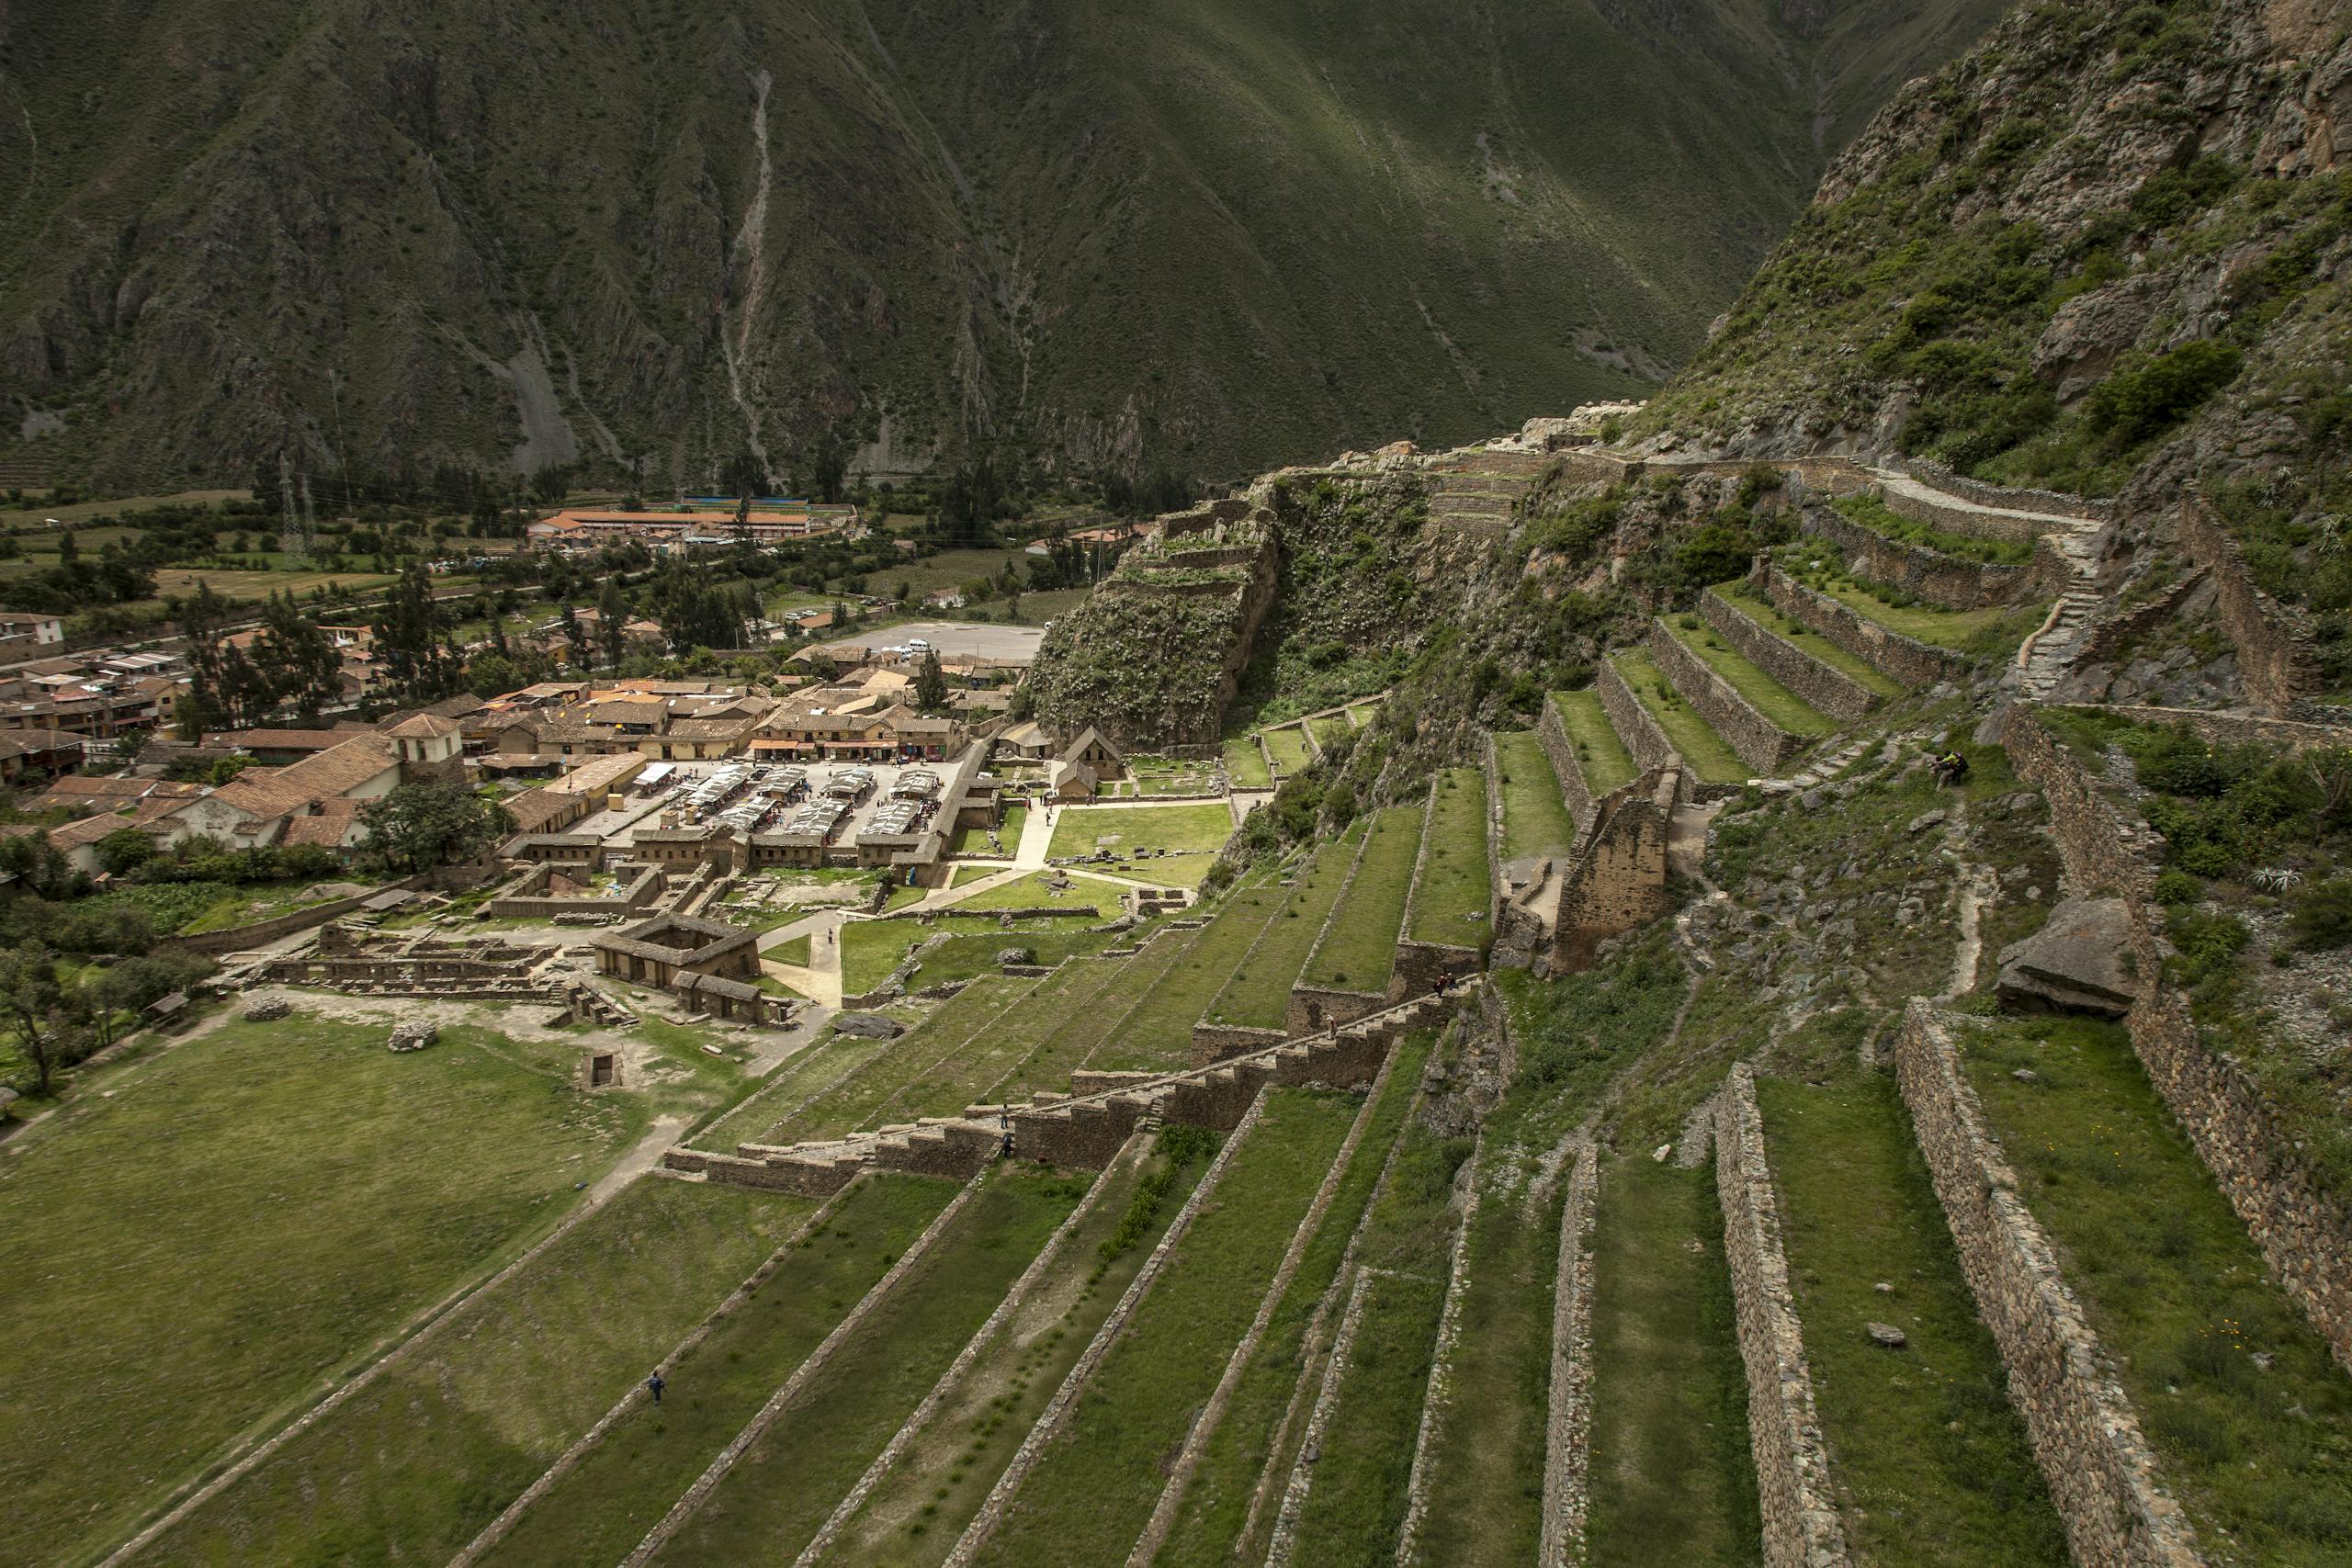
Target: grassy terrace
{"points": [[201, 1254], [1359, 953], [1287, 747], [1749, 600], [806, 1075], [1535, 815], [1082, 1035], [1195, 832], [1672, 1475], [2176, 1290], [1092, 1493], [1035, 891], [1328, 731], [1455, 883], [1356, 1504], [498, 1391], [1599, 751], [872, 949], [1363, 714], [1245, 765], [1157, 1034], [863, 1097], [1774, 701], [975, 841], [913, 1515], [1699, 746], [997, 1054], [1992, 632], [1931, 1461], [1257, 996], [1870, 512], [784, 1487], [625, 1485], [1215, 1506]]}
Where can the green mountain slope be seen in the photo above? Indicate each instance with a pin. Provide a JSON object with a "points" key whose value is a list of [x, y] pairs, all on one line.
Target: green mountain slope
{"points": [[1198, 235]]}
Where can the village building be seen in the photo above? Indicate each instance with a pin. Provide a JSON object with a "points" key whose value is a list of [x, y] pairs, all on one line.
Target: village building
{"points": [[689, 522], [20, 629], [661, 951]]}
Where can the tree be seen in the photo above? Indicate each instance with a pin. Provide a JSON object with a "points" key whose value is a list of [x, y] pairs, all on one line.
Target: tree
{"points": [[124, 753], [931, 684], [575, 635], [418, 826], [31, 997], [297, 659], [612, 622], [124, 850]]}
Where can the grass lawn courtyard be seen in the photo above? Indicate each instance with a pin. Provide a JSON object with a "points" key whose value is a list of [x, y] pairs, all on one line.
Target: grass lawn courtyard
{"points": [[1192, 833]]}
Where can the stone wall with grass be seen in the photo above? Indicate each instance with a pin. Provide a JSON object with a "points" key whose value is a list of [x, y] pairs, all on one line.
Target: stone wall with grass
{"points": [[1969, 524], [1218, 1041], [2303, 1227], [2085, 1432], [1823, 685], [1800, 1528], [1915, 570], [1426, 966], [1315, 1008], [2277, 662], [1761, 744], [1907, 659], [1646, 740], [1561, 748], [2054, 504]]}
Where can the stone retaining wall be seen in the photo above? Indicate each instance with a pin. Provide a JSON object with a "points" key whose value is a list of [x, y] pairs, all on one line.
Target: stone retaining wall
{"points": [[1907, 659], [1916, 570], [2277, 662], [1313, 1008], [1567, 1432], [2085, 1433], [1646, 740], [1216, 1041], [1761, 744], [2113, 633], [236, 939], [2055, 503], [1823, 684], [2233, 728], [1800, 1528], [1969, 525], [1575, 792]]}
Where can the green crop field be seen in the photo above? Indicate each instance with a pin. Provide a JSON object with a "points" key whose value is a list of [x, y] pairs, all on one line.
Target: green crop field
{"points": [[1245, 765], [497, 1391], [1931, 1462], [624, 1485], [1258, 995], [1535, 815], [1191, 834], [1689, 735], [2176, 1290], [1783, 707], [872, 949], [1600, 750], [1096, 1485], [1456, 886], [785, 1485], [1360, 952], [233, 1230]]}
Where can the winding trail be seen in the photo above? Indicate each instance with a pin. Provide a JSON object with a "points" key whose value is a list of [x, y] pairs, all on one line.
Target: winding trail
{"points": [[751, 243]]}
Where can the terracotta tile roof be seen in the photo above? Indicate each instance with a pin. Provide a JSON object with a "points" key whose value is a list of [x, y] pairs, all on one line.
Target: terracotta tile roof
{"points": [[90, 830], [336, 824], [280, 792], [534, 808], [422, 726]]}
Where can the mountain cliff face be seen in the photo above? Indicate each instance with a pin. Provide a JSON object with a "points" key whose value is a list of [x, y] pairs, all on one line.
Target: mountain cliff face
{"points": [[1198, 236]]}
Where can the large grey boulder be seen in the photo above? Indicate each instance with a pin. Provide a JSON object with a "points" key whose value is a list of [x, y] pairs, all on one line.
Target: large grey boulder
{"points": [[412, 1035], [2078, 962], [868, 1026]]}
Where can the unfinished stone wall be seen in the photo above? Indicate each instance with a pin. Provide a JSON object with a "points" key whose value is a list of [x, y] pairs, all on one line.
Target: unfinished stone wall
{"points": [[1915, 570], [1567, 1428], [1800, 1528], [1912, 663], [808, 1180], [1761, 744], [1575, 793], [1617, 882], [1823, 685], [2277, 662], [2085, 1432]]}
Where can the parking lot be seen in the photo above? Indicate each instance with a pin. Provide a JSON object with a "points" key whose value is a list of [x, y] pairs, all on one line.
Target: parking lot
{"points": [[678, 791], [951, 640]]}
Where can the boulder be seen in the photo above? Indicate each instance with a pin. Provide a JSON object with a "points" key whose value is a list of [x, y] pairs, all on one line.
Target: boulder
{"points": [[2078, 962], [1887, 1336], [868, 1026], [412, 1035], [268, 1010]]}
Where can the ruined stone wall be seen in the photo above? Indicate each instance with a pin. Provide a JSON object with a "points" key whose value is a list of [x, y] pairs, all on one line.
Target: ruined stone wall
{"points": [[1823, 685], [1961, 520], [1761, 744], [1618, 882], [2277, 663], [1800, 1528], [1216, 1041], [809, 1179], [2085, 1433], [1575, 793], [1912, 663], [2113, 633], [1314, 1008], [1915, 569], [235, 939], [1086, 1136], [530, 902], [1644, 738], [2238, 728]]}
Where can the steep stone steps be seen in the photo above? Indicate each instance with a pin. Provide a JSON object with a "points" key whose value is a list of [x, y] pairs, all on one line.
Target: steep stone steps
{"points": [[1766, 724]]}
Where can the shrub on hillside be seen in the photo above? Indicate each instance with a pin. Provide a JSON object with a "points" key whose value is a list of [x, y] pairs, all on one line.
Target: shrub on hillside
{"points": [[2322, 917]]}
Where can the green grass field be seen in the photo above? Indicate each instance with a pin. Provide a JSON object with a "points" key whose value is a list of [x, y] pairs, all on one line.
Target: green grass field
{"points": [[1245, 766], [2176, 1290], [975, 841], [1328, 732], [1096, 1485], [1193, 832], [795, 953], [1692, 736], [785, 1485], [496, 1392], [1082, 1036], [1209, 1526], [809, 1074], [1035, 892], [1360, 952], [1535, 815], [1783, 707], [1157, 1034], [1455, 883], [861, 1096], [233, 1230], [1672, 1479], [921, 1504], [628, 1481], [1931, 1461], [1258, 995], [1872, 513], [1749, 601], [1599, 751], [1287, 747], [872, 949]]}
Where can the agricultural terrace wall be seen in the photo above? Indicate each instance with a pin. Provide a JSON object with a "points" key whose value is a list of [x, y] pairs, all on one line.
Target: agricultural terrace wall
{"points": [[2277, 663], [2085, 1432], [1618, 882], [1575, 793], [1216, 1041], [1907, 659], [1827, 476], [235, 939], [1829, 689], [1201, 519], [2113, 633], [1916, 570], [1951, 518], [1312, 1009], [2234, 728], [1761, 744], [2052, 502], [1801, 1529], [1426, 966], [2303, 1228], [1646, 740]]}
